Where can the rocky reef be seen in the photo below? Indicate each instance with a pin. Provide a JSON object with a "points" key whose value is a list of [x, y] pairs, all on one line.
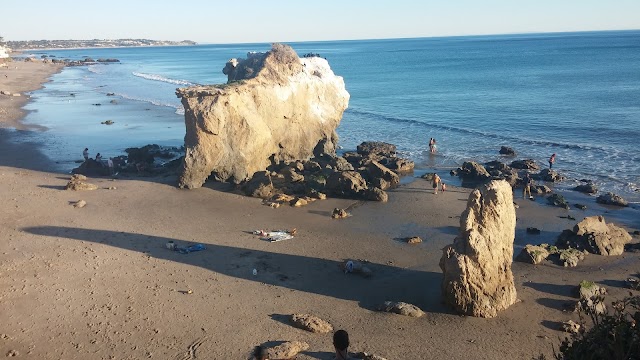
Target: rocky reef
{"points": [[477, 267], [275, 107]]}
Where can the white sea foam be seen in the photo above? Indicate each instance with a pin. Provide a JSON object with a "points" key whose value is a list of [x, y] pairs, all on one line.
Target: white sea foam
{"points": [[155, 77], [178, 107]]}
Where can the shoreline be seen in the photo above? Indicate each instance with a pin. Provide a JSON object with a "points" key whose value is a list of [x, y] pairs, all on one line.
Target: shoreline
{"points": [[99, 282]]}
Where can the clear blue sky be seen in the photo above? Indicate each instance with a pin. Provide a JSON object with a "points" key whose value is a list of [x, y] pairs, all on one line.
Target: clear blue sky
{"points": [[214, 21]]}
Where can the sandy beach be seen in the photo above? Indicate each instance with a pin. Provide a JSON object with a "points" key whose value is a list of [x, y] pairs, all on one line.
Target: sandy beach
{"points": [[98, 282]]}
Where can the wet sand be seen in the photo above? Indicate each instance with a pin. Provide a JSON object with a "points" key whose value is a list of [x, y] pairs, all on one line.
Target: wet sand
{"points": [[98, 282]]}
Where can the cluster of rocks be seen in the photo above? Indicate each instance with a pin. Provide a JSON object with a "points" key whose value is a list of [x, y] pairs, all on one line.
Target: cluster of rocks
{"points": [[69, 62], [365, 174], [79, 183], [313, 324], [141, 161], [591, 235], [473, 174]]}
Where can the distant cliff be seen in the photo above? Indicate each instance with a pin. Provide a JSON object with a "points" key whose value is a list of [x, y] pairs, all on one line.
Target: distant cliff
{"points": [[275, 107], [95, 43]]}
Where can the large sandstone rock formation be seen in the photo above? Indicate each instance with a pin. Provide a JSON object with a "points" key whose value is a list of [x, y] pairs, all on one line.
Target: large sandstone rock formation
{"points": [[275, 107], [596, 236], [477, 267]]}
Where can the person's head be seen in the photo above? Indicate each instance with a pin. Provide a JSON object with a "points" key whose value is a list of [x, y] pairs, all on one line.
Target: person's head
{"points": [[260, 353], [341, 340], [86, 149]]}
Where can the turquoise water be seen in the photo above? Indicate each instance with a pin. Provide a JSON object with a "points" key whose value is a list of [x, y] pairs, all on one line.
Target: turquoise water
{"points": [[573, 94]]}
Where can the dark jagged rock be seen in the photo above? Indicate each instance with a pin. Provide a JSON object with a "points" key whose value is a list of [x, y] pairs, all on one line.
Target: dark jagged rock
{"points": [[92, 168], [505, 150], [472, 172], [612, 199], [588, 188], [376, 148], [558, 200], [548, 175], [527, 164]]}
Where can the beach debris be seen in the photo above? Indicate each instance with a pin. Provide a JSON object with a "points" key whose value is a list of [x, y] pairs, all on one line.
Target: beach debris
{"points": [[401, 308], [612, 199], [97, 104], [79, 204], [534, 254], [111, 94], [287, 350], [16, 94], [311, 323], [580, 206], [77, 183], [276, 235], [339, 213], [12, 353], [533, 231], [367, 356], [356, 267], [477, 267], [5, 92], [570, 326], [412, 240], [111, 188], [185, 249], [271, 204], [633, 283], [591, 297], [505, 150], [107, 122], [594, 235], [254, 272]]}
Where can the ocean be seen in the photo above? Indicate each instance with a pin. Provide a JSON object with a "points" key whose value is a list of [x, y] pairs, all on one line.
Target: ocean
{"points": [[573, 94]]}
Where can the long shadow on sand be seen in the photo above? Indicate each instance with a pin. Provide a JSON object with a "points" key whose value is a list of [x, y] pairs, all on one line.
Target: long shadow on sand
{"points": [[295, 272]]}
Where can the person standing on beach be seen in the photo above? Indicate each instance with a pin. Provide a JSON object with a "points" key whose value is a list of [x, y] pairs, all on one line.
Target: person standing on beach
{"points": [[552, 160], [527, 186], [436, 182], [85, 153]]}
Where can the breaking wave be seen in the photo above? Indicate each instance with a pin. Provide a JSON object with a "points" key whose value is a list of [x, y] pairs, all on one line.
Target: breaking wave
{"points": [[155, 77]]}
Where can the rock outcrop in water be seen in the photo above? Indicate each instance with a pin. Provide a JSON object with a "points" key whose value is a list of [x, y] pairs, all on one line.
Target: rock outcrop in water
{"points": [[276, 107], [477, 268]]}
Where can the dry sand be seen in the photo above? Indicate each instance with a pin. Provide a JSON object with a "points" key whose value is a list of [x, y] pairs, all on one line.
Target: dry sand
{"points": [[98, 283]]}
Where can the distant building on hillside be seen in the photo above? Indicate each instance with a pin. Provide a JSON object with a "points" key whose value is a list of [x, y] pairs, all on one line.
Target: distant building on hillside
{"points": [[4, 52]]}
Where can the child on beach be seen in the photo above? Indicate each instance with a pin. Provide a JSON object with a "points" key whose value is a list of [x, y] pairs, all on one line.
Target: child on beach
{"points": [[436, 182], [443, 187], [552, 159]]}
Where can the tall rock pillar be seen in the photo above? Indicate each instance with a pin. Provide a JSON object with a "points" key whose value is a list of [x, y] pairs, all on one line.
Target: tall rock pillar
{"points": [[477, 267]]}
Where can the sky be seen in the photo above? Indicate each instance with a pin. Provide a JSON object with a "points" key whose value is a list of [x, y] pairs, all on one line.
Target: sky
{"points": [[215, 21]]}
